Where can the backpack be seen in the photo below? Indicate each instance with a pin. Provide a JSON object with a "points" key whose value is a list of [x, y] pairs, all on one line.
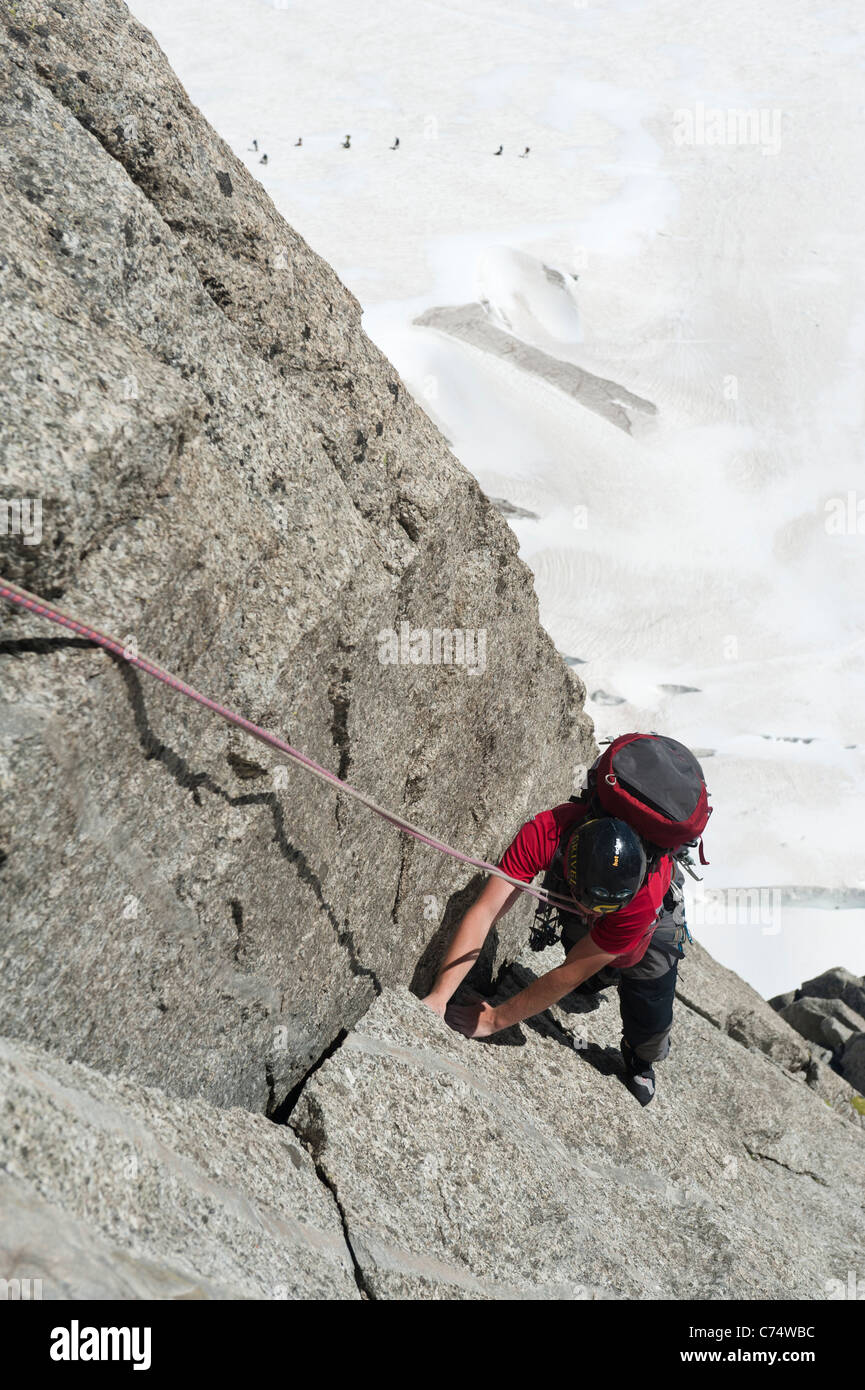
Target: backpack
{"points": [[656, 785]]}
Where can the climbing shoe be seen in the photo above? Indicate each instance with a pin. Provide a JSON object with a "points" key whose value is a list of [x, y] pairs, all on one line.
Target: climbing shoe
{"points": [[639, 1075]]}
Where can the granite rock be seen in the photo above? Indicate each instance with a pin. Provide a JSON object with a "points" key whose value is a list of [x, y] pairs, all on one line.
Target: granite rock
{"points": [[113, 1190], [838, 983], [235, 481], [811, 1018], [853, 1062], [521, 1167]]}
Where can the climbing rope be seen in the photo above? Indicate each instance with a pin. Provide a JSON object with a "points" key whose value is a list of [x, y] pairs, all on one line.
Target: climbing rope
{"points": [[32, 604]]}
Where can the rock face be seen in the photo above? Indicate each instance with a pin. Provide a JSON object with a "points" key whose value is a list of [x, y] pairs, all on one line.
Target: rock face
{"points": [[418, 1165], [234, 481], [733, 1006], [817, 1019], [853, 1061], [109, 1189], [830, 1011], [837, 983], [521, 1167]]}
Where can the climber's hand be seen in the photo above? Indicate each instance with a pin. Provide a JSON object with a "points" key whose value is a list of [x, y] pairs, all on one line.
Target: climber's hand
{"points": [[474, 1020]]}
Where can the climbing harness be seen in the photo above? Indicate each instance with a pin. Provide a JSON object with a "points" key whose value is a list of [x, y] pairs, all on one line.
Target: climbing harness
{"points": [[32, 604]]}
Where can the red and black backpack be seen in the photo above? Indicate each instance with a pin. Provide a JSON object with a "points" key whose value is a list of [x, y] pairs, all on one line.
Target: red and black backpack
{"points": [[656, 785]]}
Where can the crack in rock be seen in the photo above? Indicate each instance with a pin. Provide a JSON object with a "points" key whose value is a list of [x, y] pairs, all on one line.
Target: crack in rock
{"points": [[797, 1172], [313, 1142], [178, 768]]}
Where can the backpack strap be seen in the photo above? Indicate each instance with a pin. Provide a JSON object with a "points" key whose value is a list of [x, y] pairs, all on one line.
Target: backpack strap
{"points": [[549, 920]]}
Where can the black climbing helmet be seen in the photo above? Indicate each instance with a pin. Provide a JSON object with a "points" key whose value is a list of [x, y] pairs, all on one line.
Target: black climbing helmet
{"points": [[605, 864]]}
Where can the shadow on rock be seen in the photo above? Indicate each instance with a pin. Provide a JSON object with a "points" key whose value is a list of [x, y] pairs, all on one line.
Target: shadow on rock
{"points": [[512, 979], [480, 976]]}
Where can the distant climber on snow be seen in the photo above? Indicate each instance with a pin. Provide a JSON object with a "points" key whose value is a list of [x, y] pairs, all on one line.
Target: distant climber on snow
{"points": [[263, 159], [346, 144], [395, 145], [298, 141], [615, 851], [499, 150], [254, 146], [526, 152]]}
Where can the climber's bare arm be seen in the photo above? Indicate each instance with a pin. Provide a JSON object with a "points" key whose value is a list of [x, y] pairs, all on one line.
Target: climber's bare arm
{"points": [[480, 1020], [496, 898]]}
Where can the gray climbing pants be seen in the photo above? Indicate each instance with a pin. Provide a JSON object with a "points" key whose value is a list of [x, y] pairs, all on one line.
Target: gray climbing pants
{"points": [[647, 989]]}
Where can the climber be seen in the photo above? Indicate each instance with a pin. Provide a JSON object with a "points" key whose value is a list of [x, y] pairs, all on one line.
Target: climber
{"points": [[395, 145], [346, 144], [298, 141], [500, 150], [625, 927]]}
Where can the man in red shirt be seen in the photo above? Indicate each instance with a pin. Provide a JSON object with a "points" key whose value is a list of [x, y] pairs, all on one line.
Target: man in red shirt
{"points": [[627, 921]]}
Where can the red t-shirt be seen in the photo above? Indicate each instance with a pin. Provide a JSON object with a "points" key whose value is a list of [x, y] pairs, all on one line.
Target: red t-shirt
{"points": [[623, 933]]}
